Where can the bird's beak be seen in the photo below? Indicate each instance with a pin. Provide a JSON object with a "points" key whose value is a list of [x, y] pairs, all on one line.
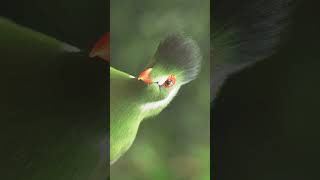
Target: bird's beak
{"points": [[145, 76], [101, 48]]}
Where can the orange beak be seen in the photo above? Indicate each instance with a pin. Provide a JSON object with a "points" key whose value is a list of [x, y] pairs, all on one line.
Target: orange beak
{"points": [[145, 76], [101, 48]]}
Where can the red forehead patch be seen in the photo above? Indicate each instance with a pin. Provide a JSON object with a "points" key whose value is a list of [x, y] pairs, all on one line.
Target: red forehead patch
{"points": [[101, 48]]}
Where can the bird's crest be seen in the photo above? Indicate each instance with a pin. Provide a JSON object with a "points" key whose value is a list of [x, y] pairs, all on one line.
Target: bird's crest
{"points": [[180, 51]]}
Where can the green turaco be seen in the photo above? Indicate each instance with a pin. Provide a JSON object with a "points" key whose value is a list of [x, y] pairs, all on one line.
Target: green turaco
{"points": [[175, 63]]}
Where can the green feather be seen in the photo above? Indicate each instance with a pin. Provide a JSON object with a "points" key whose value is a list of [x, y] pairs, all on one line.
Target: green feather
{"points": [[52, 107], [133, 100]]}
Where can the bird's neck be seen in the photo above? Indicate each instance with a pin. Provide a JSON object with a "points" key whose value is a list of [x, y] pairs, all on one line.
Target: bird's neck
{"points": [[153, 108]]}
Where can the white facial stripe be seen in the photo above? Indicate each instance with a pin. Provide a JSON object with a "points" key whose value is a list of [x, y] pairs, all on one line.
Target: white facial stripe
{"points": [[161, 103]]}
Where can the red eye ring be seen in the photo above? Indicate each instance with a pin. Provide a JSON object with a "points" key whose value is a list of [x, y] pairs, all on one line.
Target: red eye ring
{"points": [[171, 80]]}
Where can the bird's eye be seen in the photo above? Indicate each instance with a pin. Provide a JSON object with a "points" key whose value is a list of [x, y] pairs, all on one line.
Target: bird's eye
{"points": [[171, 80]]}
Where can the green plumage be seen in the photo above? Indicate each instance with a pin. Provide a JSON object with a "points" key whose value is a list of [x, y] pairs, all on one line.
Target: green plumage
{"points": [[52, 109], [132, 100]]}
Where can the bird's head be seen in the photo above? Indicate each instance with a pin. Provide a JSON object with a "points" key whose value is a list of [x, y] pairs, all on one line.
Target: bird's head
{"points": [[175, 63]]}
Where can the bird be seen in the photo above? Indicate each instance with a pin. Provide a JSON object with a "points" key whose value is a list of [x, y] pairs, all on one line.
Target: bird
{"points": [[176, 62], [56, 124]]}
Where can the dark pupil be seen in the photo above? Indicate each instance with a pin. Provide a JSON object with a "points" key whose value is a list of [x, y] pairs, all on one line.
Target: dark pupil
{"points": [[168, 82]]}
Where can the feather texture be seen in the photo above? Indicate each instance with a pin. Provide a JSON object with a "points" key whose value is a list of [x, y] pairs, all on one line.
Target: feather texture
{"points": [[244, 32], [180, 51]]}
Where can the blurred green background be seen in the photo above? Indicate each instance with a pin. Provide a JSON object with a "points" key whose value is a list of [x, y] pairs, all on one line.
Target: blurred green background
{"points": [[175, 144]]}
